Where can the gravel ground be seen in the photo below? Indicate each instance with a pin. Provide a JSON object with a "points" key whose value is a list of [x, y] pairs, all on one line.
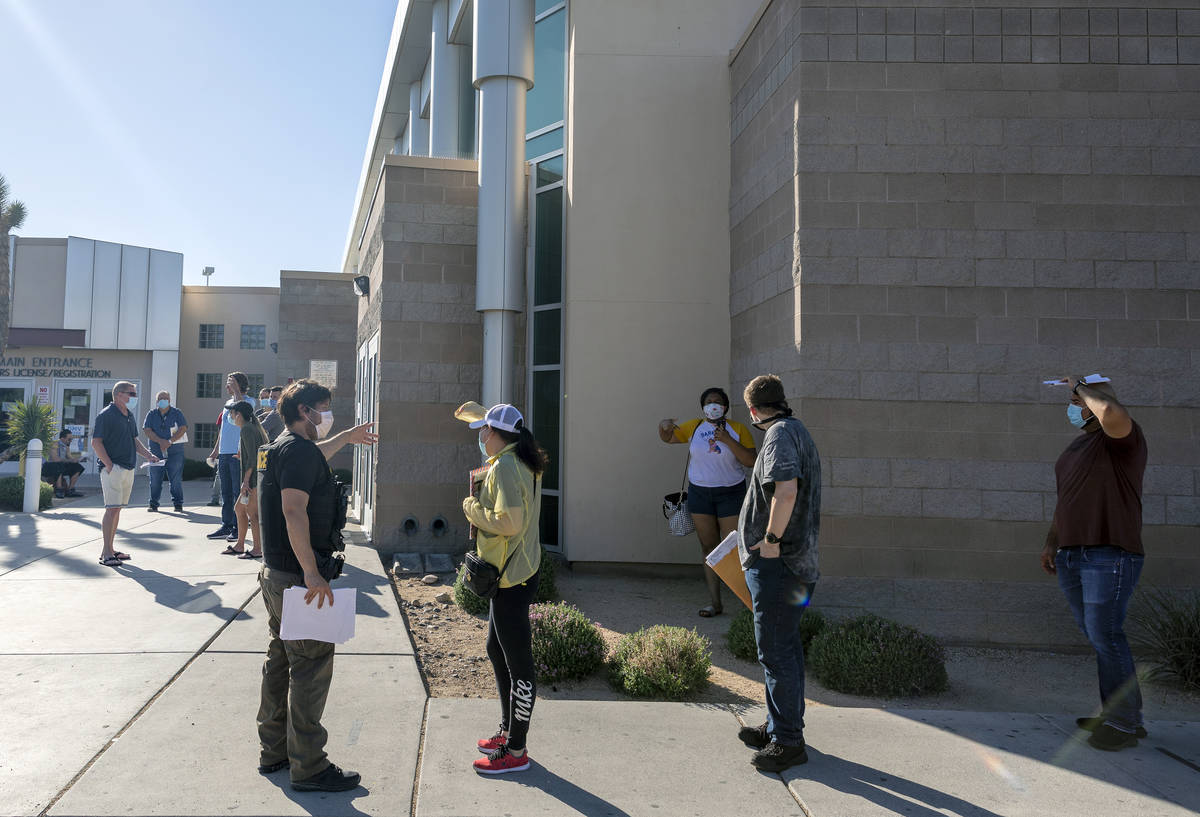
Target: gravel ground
{"points": [[450, 649]]}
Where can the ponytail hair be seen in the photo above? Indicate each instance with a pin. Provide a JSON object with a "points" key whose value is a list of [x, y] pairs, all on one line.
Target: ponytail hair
{"points": [[528, 450]]}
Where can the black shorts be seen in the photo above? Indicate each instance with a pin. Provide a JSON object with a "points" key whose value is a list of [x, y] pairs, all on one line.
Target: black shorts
{"points": [[718, 502]]}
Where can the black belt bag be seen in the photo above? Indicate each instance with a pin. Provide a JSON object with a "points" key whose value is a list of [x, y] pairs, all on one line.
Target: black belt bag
{"points": [[481, 577]]}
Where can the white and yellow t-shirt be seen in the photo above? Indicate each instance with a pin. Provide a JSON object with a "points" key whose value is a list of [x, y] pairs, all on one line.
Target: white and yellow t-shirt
{"points": [[713, 464]]}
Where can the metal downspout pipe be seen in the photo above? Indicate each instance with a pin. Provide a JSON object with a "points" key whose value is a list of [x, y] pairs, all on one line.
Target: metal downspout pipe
{"points": [[503, 72]]}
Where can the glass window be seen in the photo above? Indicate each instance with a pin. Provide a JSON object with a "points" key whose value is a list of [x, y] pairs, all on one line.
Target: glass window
{"points": [[204, 435], [544, 101], [546, 394], [549, 171], [548, 524], [212, 336], [546, 143], [547, 337], [209, 385], [254, 336], [547, 251], [542, 5], [9, 397]]}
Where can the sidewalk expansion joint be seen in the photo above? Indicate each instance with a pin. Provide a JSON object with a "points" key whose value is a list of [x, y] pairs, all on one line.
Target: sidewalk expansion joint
{"points": [[412, 808], [145, 707], [733, 710]]}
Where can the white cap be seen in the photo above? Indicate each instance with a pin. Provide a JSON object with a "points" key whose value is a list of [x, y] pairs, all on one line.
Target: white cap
{"points": [[501, 416]]}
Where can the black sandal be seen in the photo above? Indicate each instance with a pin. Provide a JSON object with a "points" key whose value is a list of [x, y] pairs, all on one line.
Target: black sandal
{"points": [[711, 610], [229, 551], [110, 561]]}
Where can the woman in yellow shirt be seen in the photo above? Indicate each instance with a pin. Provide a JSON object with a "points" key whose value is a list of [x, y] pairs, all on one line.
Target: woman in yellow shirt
{"points": [[506, 514]]}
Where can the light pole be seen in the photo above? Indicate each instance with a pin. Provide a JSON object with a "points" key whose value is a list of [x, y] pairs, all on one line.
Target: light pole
{"points": [[207, 273]]}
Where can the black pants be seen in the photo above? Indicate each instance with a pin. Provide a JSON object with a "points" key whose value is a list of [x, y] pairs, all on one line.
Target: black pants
{"points": [[510, 647]]}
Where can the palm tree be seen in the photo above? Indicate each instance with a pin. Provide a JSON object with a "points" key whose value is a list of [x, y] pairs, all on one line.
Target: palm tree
{"points": [[12, 216]]}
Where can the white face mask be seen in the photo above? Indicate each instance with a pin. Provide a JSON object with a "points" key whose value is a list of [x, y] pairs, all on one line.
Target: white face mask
{"points": [[325, 424], [714, 411]]}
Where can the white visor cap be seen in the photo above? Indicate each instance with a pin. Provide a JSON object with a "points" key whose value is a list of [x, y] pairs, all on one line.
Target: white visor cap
{"points": [[501, 416]]}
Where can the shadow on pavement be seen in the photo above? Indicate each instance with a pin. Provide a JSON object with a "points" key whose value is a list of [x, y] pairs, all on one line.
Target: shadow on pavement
{"points": [[368, 585], [180, 595], [583, 801], [320, 804], [897, 795]]}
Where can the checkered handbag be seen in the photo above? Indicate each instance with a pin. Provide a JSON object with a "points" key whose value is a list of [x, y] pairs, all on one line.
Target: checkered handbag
{"points": [[675, 507]]}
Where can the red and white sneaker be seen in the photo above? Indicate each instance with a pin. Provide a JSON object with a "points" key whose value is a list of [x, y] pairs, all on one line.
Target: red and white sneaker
{"points": [[489, 745], [501, 761]]}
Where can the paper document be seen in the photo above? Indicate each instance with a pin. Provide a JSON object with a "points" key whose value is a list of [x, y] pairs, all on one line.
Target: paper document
{"points": [[159, 464], [1091, 378], [726, 562], [334, 624]]}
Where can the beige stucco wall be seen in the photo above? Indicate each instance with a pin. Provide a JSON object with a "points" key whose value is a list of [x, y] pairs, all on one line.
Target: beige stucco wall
{"points": [[647, 259], [39, 283], [232, 306]]}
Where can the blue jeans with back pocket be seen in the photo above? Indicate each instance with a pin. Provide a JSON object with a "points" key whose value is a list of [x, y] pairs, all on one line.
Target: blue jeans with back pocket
{"points": [[1098, 582]]}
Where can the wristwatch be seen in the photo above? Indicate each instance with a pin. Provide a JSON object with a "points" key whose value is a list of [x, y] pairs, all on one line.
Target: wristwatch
{"points": [[1075, 388], [772, 538]]}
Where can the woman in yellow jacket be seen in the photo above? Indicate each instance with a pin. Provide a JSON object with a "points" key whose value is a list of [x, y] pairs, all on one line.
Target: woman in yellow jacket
{"points": [[506, 514]]}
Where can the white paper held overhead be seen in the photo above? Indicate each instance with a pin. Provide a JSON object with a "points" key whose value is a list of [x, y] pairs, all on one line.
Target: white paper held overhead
{"points": [[331, 623]]}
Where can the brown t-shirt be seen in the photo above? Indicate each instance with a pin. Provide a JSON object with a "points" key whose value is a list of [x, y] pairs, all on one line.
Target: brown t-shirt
{"points": [[1100, 491]]}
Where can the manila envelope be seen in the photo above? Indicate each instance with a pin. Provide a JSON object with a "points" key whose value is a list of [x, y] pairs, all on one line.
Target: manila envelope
{"points": [[727, 564]]}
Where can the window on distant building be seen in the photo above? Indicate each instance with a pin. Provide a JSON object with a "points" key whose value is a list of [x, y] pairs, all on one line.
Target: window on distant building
{"points": [[209, 385], [204, 435], [212, 336], [254, 336]]}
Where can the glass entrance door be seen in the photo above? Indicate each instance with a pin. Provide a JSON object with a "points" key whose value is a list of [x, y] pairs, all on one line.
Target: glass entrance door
{"points": [[364, 455], [11, 393], [78, 403]]}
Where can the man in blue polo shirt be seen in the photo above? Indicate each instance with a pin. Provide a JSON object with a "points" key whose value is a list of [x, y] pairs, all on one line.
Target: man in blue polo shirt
{"points": [[166, 427], [115, 441], [229, 436]]}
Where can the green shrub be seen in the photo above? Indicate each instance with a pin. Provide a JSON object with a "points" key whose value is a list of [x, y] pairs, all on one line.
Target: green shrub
{"points": [[547, 590], [464, 598], [869, 655], [1167, 632], [661, 662], [566, 644], [12, 494], [197, 469], [29, 421], [740, 637]]}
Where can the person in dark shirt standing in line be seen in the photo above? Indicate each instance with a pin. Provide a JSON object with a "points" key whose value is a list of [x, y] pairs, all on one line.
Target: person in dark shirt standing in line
{"points": [[165, 425], [777, 543], [115, 441], [297, 515], [1094, 546], [272, 423]]}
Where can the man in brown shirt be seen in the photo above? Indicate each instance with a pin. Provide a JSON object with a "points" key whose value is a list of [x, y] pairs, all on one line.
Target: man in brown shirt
{"points": [[1095, 548]]}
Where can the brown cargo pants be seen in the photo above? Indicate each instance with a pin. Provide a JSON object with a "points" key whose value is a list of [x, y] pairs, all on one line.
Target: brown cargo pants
{"points": [[295, 685]]}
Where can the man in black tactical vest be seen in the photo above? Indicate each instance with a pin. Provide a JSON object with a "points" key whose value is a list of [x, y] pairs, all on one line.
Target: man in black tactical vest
{"points": [[302, 510]]}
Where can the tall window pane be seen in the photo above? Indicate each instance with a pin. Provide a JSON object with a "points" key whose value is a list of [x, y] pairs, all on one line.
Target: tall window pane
{"points": [[549, 171], [547, 336], [544, 103], [546, 394], [548, 524], [547, 255], [546, 143]]}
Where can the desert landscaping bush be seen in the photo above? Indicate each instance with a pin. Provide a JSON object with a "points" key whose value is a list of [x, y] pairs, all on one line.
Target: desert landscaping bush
{"points": [[465, 599], [1167, 632], [740, 637], [661, 662], [567, 646], [547, 590], [197, 469], [12, 494], [869, 655]]}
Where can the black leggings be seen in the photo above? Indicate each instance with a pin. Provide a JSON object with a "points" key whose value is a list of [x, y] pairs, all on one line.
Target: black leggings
{"points": [[510, 647]]}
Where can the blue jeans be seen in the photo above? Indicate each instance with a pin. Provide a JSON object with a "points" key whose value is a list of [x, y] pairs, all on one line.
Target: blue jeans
{"points": [[173, 472], [1098, 582], [780, 599], [230, 469]]}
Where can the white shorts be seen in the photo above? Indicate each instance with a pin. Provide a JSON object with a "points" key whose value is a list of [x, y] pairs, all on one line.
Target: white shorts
{"points": [[116, 486]]}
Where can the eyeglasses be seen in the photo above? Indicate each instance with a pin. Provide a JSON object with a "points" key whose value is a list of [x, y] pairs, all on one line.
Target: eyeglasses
{"points": [[131, 393]]}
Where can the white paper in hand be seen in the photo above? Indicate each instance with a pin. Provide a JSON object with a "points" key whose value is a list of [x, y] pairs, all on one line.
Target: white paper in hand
{"points": [[333, 624]]}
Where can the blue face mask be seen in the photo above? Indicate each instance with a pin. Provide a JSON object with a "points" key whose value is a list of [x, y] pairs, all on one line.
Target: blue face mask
{"points": [[162, 404], [270, 402], [482, 446], [132, 404], [1075, 416]]}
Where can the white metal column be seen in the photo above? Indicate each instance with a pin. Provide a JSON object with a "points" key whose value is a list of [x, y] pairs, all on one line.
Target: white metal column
{"points": [[418, 128], [445, 85], [503, 73]]}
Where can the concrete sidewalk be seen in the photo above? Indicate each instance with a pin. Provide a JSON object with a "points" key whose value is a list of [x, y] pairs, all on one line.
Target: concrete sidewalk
{"points": [[133, 691]]}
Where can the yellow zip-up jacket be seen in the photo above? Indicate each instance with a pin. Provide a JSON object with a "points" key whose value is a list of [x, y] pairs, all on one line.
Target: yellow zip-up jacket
{"points": [[506, 512]]}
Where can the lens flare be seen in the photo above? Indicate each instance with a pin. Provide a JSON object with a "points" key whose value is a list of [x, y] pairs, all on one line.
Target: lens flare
{"points": [[800, 597], [995, 765]]}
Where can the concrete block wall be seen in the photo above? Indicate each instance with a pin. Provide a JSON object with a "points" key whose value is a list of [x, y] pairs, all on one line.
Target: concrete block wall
{"points": [[421, 261], [932, 210], [317, 318]]}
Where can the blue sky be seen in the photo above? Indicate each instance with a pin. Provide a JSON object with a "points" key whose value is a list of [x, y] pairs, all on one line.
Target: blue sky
{"points": [[232, 131]]}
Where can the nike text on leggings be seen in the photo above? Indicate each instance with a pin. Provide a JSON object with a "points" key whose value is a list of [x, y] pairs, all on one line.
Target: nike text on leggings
{"points": [[510, 648]]}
